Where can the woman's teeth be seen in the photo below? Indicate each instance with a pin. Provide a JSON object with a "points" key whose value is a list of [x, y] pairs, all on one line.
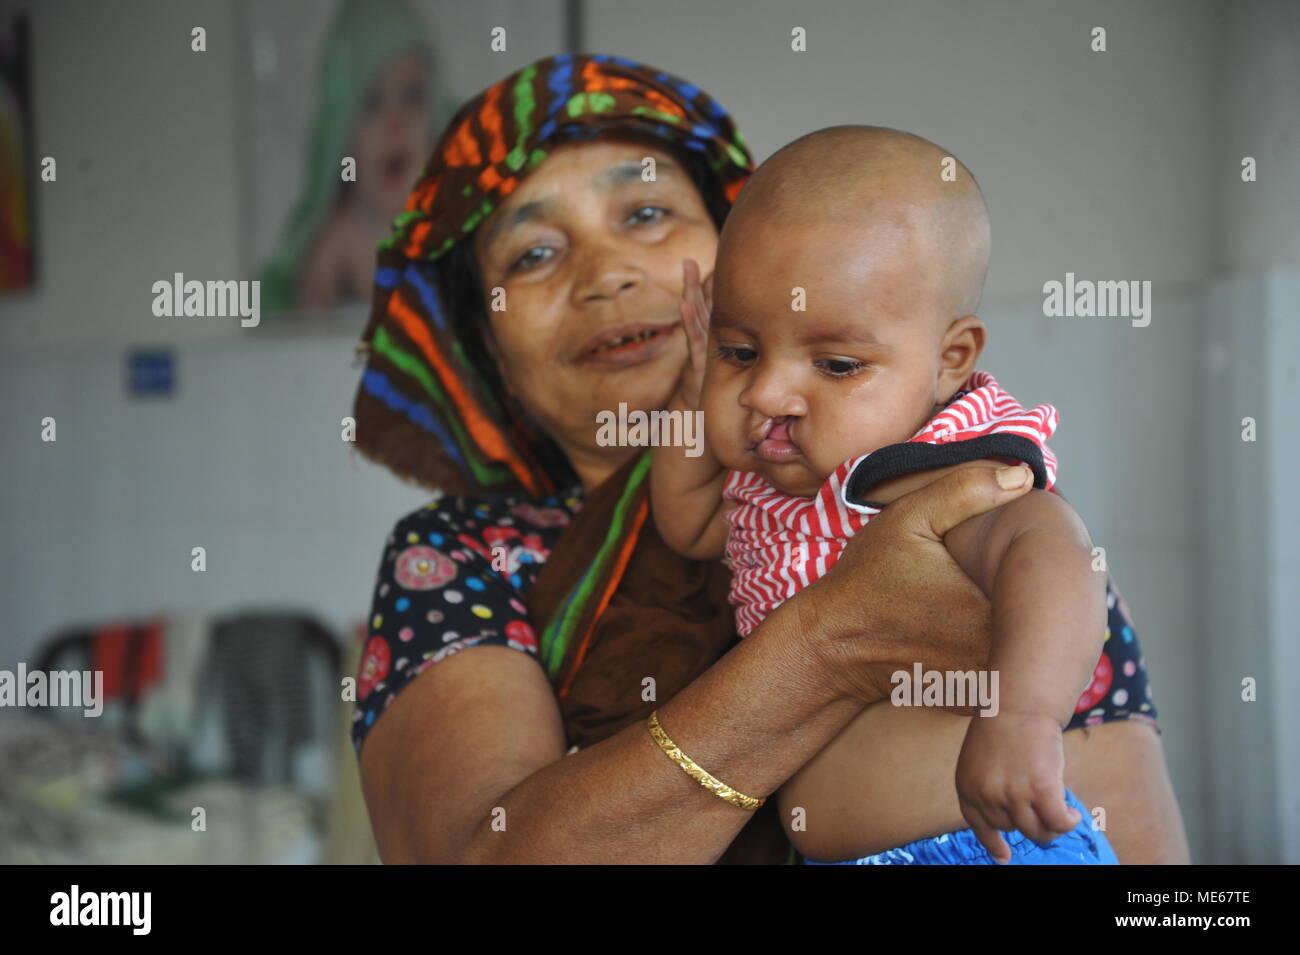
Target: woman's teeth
{"points": [[623, 340]]}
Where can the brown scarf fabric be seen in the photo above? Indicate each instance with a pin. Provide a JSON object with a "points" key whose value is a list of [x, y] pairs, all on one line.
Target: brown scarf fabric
{"points": [[668, 619]]}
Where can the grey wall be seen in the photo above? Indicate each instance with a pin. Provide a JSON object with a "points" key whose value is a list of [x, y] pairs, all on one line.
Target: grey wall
{"points": [[1249, 560], [1122, 165]]}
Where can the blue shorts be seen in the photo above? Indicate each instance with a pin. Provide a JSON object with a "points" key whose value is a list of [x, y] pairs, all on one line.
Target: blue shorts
{"points": [[1080, 846]]}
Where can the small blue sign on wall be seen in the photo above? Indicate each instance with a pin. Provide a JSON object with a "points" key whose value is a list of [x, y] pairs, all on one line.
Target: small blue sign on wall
{"points": [[150, 373]]}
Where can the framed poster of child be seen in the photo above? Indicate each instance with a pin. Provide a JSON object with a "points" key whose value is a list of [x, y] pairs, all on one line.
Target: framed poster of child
{"points": [[342, 104]]}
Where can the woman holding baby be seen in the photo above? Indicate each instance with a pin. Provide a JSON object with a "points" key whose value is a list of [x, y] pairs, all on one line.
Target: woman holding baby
{"points": [[607, 712]]}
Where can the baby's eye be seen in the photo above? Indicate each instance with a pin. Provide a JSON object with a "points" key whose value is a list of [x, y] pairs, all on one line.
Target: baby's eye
{"points": [[738, 354], [840, 367], [530, 259], [656, 215]]}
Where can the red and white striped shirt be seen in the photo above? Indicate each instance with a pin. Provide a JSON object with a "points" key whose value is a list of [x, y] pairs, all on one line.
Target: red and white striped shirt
{"points": [[779, 544]]}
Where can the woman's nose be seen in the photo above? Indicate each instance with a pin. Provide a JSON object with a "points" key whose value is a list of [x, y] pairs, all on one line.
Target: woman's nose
{"points": [[772, 392], [605, 274]]}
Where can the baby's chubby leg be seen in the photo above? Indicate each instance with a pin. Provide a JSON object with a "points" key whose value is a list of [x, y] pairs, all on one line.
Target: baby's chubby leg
{"points": [[888, 780]]}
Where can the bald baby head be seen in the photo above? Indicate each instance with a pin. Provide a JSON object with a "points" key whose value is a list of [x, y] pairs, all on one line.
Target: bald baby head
{"points": [[870, 175], [844, 292]]}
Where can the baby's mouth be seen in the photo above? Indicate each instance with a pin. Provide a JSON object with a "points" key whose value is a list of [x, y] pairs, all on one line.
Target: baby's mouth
{"points": [[771, 441]]}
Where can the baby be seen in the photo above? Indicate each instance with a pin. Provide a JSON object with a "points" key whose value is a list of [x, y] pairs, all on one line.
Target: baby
{"points": [[836, 372]]}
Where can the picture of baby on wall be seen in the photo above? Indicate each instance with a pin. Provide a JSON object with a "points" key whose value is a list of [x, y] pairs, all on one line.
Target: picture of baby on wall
{"points": [[376, 105]]}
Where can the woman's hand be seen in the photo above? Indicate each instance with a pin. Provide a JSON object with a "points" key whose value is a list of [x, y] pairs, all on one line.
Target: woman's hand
{"points": [[896, 597]]}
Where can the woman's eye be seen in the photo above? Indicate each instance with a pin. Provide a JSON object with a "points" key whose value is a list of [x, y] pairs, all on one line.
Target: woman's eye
{"points": [[530, 259], [840, 367], [737, 354], [649, 215]]}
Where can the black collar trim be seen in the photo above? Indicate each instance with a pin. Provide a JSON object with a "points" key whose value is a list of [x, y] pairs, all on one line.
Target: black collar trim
{"points": [[896, 459]]}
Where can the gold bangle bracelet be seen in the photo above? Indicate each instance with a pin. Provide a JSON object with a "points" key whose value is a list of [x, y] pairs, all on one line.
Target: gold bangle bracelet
{"points": [[696, 772]]}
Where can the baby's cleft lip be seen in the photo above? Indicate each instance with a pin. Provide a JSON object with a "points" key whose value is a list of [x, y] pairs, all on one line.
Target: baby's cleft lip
{"points": [[771, 441]]}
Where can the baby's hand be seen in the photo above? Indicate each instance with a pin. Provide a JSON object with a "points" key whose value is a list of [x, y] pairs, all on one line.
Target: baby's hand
{"points": [[1011, 776], [696, 303]]}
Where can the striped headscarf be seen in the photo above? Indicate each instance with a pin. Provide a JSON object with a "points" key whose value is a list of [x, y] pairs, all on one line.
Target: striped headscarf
{"points": [[425, 407]]}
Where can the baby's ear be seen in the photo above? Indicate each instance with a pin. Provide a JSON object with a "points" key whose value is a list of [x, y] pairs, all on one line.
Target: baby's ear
{"points": [[960, 350]]}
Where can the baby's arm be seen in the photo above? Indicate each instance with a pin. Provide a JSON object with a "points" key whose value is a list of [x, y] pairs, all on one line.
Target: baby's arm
{"points": [[990, 549], [686, 492], [686, 498], [1033, 558]]}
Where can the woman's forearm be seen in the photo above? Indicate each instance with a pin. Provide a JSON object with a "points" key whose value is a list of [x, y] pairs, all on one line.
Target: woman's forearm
{"points": [[751, 720]]}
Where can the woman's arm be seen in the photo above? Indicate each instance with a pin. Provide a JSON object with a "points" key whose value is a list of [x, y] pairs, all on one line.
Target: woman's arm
{"points": [[466, 764]]}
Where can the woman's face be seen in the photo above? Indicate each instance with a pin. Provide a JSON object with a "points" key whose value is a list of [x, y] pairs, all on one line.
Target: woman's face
{"points": [[588, 258]]}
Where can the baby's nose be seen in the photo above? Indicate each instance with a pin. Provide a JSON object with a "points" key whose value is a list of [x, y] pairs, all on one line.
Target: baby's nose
{"points": [[770, 400]]}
